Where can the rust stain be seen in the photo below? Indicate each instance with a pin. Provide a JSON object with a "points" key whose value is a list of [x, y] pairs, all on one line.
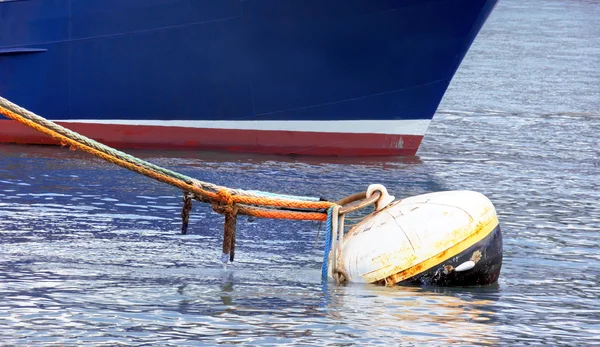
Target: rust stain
{"points": [[448, 269], [397, 277], [481, 230], [387, 266], [403, 254], [476, 256]]}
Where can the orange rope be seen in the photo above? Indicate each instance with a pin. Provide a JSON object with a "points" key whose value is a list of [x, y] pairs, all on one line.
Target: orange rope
{"points": [[222, 196], [261, 213], [65, 140], [225, 197], [248, 200]]}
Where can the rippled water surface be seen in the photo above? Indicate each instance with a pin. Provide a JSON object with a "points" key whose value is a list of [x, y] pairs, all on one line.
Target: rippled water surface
{"points": [[91, 254]]}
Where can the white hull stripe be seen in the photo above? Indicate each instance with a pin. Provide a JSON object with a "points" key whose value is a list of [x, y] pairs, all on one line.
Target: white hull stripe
{"points": [[392, 127]]}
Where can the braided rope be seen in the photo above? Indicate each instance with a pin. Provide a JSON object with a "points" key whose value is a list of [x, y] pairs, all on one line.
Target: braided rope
{"points": [[280, 196], [115, 160], [26, 114], [64, 136], [278, 214], [211, 196], [85, 140]]}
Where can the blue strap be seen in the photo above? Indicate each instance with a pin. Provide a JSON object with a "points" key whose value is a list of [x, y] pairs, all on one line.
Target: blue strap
{"points": [[328, 233]]}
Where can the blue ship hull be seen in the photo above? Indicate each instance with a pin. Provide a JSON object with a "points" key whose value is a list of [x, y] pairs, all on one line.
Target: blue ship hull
{"points": [[243, 69]]}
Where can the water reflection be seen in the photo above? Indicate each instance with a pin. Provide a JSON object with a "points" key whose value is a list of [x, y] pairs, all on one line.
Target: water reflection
{"points": [[411, 314]]}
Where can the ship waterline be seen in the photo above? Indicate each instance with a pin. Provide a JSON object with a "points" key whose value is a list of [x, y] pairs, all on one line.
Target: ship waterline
{"points": [[350, 138]]}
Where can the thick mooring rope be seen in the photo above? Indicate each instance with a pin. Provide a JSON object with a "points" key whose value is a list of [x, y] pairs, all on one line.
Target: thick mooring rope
{"points": [[204, 190], [226, 201], [6, 107]]}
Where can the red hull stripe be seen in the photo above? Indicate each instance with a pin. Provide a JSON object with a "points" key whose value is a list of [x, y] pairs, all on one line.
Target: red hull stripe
{"points": [[256, 141]]}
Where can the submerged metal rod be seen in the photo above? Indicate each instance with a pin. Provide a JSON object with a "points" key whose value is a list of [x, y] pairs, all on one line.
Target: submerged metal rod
{"points": [[229, 230], [185, 212]]}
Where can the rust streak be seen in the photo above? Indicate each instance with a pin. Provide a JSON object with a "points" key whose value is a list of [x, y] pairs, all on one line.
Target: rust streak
{"points": [[476, 256], [482, 230]]}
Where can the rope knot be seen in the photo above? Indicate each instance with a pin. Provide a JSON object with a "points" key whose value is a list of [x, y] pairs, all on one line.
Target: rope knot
{"points": [[225, 204], [340, 276], [225, 197]]}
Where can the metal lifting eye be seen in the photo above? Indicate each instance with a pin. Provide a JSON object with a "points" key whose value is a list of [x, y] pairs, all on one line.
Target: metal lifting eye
{"points": [[385, 198]]}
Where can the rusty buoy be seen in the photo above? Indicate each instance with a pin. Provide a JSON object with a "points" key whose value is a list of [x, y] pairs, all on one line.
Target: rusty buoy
{"points": [[450, 238]]}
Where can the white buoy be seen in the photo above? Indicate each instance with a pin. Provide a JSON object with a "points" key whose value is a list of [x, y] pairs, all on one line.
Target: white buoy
{"points": [[445, 238]]}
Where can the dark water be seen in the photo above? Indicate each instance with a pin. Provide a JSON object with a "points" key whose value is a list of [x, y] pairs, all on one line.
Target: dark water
{"points": [[91, 254]]}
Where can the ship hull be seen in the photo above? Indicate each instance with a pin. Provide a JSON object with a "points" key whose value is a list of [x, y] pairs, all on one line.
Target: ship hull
{"points": [[275, 76]]}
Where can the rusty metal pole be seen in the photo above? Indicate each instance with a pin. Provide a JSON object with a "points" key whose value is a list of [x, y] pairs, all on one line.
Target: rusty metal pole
{"points": [[185, 212], [229, 231]]}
